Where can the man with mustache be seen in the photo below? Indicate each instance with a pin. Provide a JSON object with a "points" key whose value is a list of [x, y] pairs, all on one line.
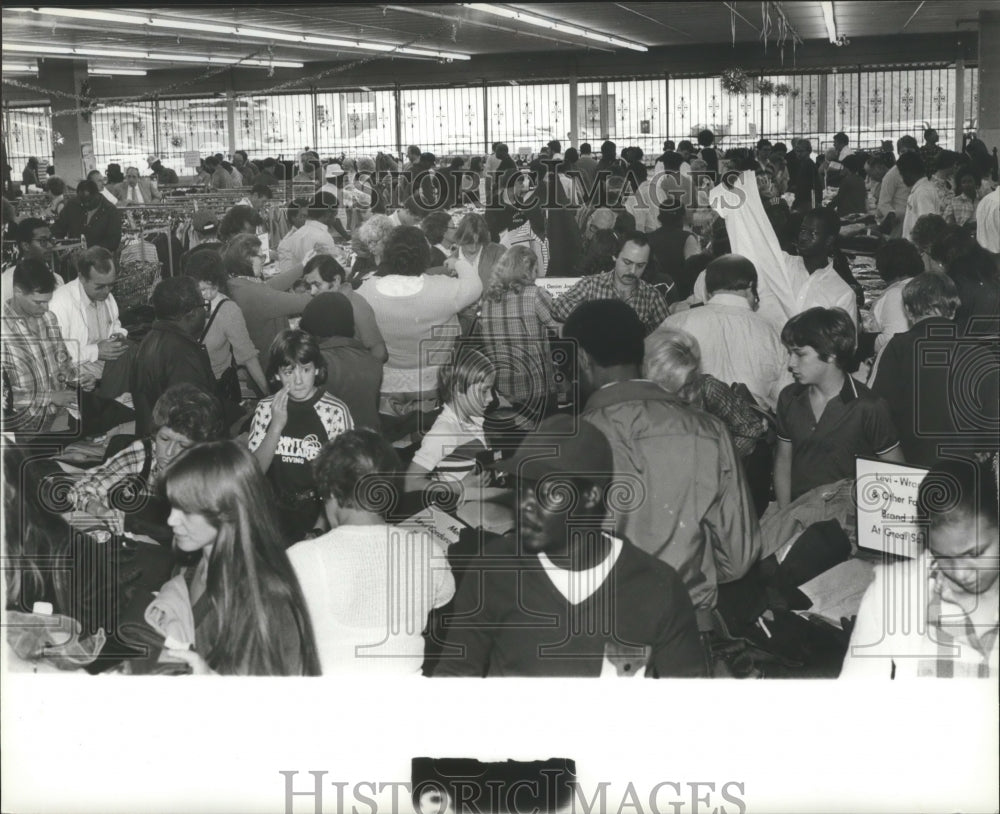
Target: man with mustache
{"points": [[624, 282]]}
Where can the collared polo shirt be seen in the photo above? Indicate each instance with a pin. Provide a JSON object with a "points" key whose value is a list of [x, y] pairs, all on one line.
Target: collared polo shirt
{"points": [[854, 423]]}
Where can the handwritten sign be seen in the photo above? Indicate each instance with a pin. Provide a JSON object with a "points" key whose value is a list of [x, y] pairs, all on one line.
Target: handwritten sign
{"points": [[89, 162], [557, 285], [443, 527], [887, 507], [192, 158]]}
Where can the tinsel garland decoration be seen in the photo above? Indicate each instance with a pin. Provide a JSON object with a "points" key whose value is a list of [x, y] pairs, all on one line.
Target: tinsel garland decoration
{"points": [[734, 81]]}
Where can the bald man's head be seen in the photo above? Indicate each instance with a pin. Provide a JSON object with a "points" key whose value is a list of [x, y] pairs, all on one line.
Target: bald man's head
{"points": [[730, 272], [601, 219]]}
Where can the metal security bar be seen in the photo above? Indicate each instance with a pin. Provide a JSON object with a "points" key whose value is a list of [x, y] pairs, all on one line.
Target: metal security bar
{"points": [[868, 105], [637, 111], [27, 132], [526, 117], [361, 123], [189, 129], [444, 121], [698, 103], [971, 98], [274, 126], [124, 135]]}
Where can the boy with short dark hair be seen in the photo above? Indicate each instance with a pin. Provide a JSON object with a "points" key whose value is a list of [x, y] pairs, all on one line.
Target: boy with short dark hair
{"points": [[826, 419]]}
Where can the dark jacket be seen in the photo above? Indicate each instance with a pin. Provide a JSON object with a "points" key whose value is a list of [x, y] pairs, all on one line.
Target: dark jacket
{"points": [[804, 183], [104, 228], [510, 620], [163, 175], [708, 530], [354, 376], [167, 356], [935, 400]]}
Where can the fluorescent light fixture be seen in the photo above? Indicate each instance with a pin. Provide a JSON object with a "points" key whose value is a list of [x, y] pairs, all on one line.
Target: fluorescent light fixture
{"points": [[270, 35], [553, 25], [830, 20], [115, 53], [93, 70], [109, 71]]}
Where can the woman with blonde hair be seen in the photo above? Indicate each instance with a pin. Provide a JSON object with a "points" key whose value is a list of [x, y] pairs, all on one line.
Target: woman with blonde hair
{"points": [[673, 361], [515, 318], [240, 610], [368, 243]]}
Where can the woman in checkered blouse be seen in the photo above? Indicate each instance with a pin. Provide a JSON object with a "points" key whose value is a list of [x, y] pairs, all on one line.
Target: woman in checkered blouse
{"points": [[515, 319]]}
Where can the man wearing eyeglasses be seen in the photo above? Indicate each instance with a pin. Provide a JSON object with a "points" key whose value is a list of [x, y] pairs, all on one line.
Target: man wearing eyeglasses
{"points": [[34, 240]]}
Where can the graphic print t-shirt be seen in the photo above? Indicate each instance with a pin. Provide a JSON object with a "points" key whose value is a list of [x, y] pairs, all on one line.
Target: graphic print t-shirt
{"points": [[310, 425]]}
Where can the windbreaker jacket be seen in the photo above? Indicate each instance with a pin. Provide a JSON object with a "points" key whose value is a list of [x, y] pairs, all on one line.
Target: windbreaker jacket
{"points": [[69, 303], [694, 510]]}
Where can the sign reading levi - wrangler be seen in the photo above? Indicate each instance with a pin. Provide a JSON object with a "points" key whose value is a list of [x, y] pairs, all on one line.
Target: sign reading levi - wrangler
{"points": [[887, 507]]}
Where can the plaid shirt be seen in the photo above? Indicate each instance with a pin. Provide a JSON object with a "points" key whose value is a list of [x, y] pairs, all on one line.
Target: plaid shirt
{"points": [[98, 483], [645, 300], [513, 331], [745, 425], [960, 210], [35, 364]]}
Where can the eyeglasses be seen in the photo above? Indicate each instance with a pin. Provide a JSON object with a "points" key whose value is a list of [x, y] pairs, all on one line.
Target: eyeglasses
{"points": [[43, 241]]}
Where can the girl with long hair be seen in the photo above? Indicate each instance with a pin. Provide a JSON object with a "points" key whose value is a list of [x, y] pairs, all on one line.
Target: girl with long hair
{"points": [[240, 609]]}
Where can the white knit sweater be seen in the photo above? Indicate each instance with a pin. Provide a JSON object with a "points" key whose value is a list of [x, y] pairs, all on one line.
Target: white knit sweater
{"points": [[369, 590]]}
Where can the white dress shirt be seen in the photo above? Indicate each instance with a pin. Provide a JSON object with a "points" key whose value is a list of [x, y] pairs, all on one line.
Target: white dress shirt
{"points": [[925, 199], [737, 345], [889, 314], [785, 286], [988, 222]]}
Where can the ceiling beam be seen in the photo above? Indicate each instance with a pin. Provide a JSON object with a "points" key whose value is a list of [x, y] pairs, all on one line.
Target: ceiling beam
{"points": [[916, 11], [468, 20], [623, 7]]}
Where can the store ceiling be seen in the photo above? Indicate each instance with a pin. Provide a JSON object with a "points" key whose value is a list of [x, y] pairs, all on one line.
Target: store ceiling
{"points": [[454, 27]]}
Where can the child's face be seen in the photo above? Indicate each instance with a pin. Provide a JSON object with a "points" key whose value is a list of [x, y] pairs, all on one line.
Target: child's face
{"points": [[474, 401], [806, 366], [300, 379]]}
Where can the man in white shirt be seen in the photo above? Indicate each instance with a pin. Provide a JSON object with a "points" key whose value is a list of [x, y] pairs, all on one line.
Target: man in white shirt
{"points": [[348, 196], [313, 237], [88, 314], [928, 195], [841, 143], [737, 344], [789, 284], [988, 222], [893, 193], [936, 616]]}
